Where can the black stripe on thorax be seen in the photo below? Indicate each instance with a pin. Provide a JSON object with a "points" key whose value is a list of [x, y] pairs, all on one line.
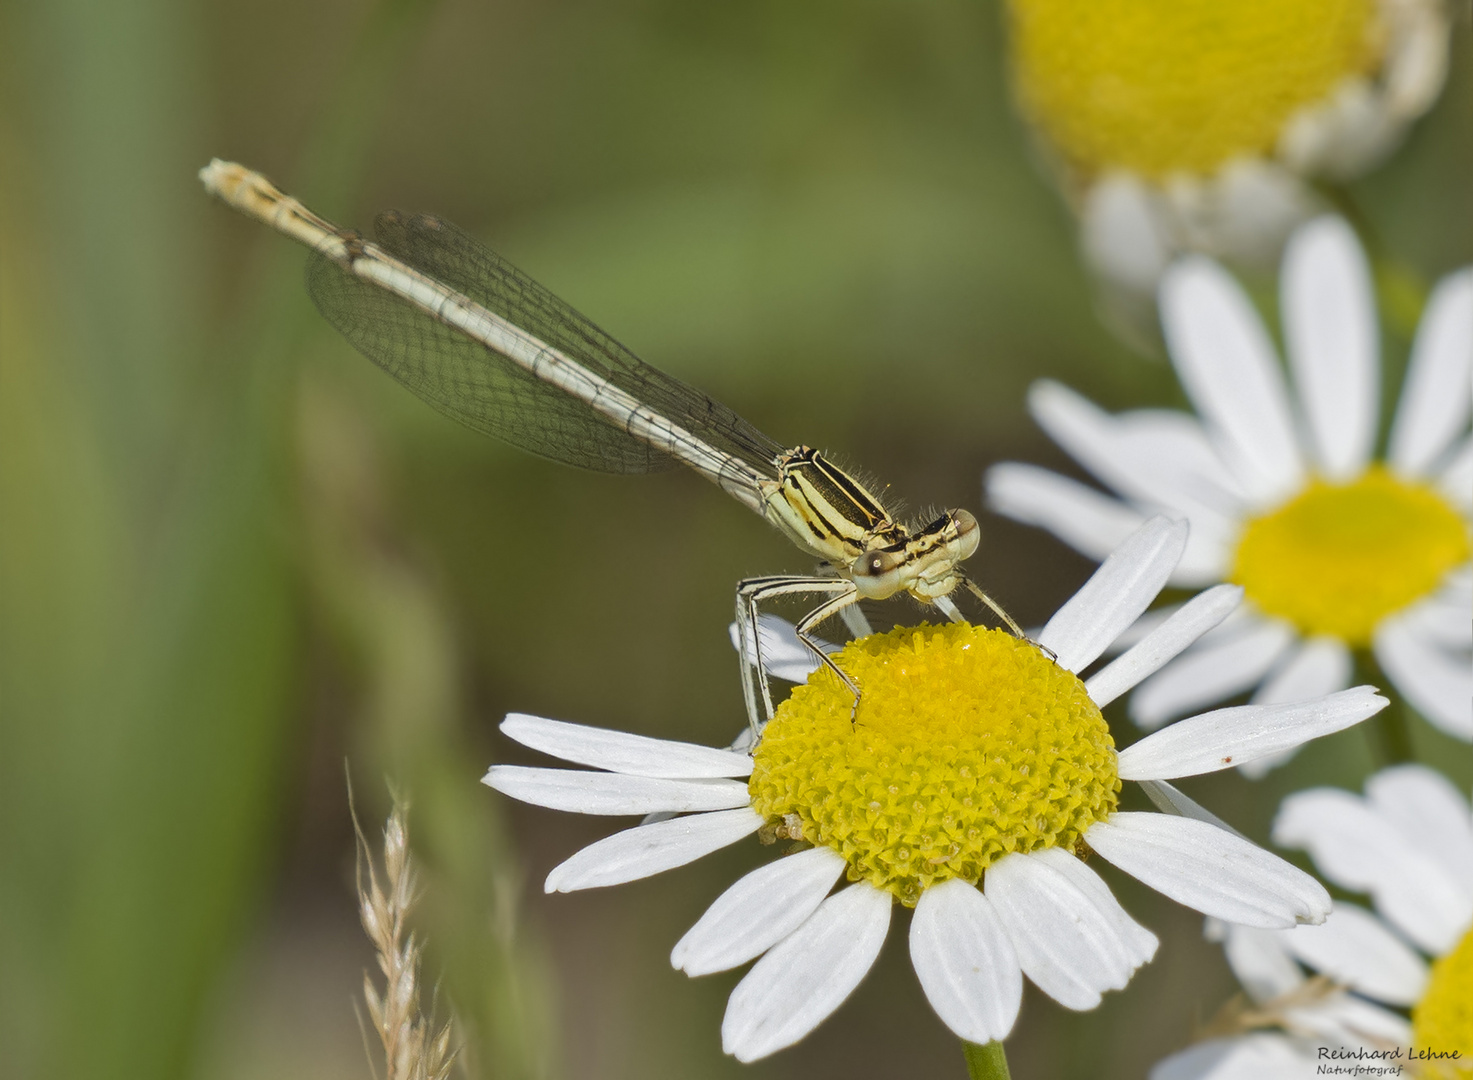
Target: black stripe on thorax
{"points": [[838, 489]]}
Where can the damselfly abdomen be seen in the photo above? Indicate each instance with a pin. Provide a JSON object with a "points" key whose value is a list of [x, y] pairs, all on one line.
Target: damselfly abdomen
{"points": [[486, 345]]}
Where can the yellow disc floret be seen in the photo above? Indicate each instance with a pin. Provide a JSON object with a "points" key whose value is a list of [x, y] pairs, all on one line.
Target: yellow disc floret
{"points": [[1442, 1022], [1166, 86], [1338, 558], [967, 744]]}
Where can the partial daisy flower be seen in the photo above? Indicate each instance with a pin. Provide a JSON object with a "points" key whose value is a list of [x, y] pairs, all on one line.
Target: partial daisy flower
{"points": [[1408, 845], [1192, 125], [968, 782], [1337, 549]]}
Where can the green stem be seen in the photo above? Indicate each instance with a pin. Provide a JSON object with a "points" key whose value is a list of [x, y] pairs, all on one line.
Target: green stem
{"points": [[1393, 737], [988, 1062]]}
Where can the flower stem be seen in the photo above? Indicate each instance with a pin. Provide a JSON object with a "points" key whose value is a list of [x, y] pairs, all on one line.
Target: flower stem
{"points": [[1393, 736], [988, 1062], [1396, 740]]}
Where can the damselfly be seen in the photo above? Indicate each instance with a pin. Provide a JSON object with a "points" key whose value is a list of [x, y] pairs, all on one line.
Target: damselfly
{"points": [[486, 345]]}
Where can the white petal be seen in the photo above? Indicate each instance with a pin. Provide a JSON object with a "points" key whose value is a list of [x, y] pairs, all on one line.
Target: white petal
{"points": [[1316, 668], [1136, 632], [1197, 469], [1218, 667], [1258, 960], [1433, 912], [1443, 619], [1072, 937], [1238, 1057], [1186, 625], [1216, 740], [1357, 848], [1088, 521], [613, 794], [965, 962], [1122, 233], [1436, 684], [1116, 594], [1255, 205], [1456, 481], [1343, 136], [1156, 458], [1459, 582], [1416, 66], [621, 752], [1345, 1020], [1351, 845], [1356, 949], [646, 850], [1320, 666], [1205, 561], [784, 656], [758, 911], [1430, 812], [1416, 63], [1147, 623], [807, 975], [1210, 870], [1171, 800], [1333, 341], [1434, 399], [1227, 366]]}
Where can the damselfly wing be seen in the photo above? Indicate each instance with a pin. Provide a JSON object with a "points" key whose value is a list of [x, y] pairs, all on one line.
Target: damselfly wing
{"points": [[481, 342]]}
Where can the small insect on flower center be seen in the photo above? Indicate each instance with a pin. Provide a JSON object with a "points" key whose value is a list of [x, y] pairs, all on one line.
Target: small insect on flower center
{"points": [[1338, 558], [1442, 1022], [1164, 86], [967, 744]]}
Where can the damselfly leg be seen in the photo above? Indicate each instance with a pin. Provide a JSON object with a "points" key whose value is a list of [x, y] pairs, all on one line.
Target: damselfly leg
{"points": [[843, 601], [750, 595]]}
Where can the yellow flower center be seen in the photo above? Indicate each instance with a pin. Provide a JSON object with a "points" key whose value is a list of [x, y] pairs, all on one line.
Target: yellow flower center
{"points": [[1163, 86], [967, 744], [1338, 558], [1442, 1022]]}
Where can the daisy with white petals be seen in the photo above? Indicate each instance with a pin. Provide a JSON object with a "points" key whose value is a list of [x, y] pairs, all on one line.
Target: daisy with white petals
{"points": [[1337, 548], [1408, 845], [1193, 125], [968, 782]]}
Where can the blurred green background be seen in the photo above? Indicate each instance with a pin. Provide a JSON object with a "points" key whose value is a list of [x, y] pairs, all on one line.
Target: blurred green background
{"points": [[235, 555]]}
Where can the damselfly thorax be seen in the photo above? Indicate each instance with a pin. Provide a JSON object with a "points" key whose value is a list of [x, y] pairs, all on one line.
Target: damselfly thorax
{"points": [[825, 510], [484, 344]]}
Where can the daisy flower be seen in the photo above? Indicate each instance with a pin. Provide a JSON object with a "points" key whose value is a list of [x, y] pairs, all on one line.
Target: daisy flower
{"points": [[1408, 845], [1337, 549], [969, 781], [1192, 125]]}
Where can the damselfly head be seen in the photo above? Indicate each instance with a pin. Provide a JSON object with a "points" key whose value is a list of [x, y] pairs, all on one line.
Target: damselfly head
{"points": [[922, 564]]}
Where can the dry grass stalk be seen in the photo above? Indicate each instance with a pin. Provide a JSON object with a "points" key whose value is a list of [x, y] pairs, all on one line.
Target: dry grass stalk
{"points": [[414, 1049], [1287, 1012]]}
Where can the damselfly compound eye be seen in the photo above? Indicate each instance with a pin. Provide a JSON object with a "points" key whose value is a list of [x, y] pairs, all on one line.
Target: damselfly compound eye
{"points": [[968, 533], [877, 563]]}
